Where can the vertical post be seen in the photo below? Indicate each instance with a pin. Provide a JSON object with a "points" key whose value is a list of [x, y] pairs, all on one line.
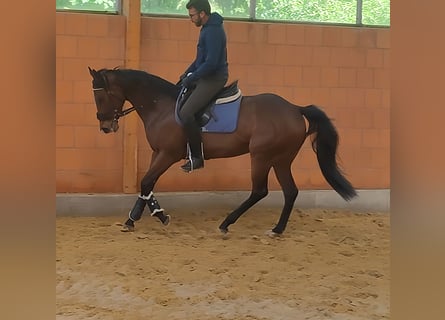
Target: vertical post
{"points": [[131, 9], [252, 10], [359, 13]]}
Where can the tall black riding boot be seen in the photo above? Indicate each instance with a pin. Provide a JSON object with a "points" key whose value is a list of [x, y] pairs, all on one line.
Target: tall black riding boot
{"points": [[195, 158]]}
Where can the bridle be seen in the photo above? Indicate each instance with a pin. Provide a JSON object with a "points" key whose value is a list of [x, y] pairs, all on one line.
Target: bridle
{"points": [[117, 114]]}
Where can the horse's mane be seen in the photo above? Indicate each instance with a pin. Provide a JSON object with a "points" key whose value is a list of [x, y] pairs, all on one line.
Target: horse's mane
{"points": [[135, 78]]}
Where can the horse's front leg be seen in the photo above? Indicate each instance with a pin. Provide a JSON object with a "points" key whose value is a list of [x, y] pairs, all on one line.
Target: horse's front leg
{"points": [[160, 162]]}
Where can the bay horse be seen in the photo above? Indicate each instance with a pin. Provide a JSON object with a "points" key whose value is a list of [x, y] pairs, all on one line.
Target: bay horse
{"points": [[269, 127]]}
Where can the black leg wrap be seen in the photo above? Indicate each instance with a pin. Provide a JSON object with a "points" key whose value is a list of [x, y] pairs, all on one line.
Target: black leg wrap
{"points": [[155, 208], [136, 213]]}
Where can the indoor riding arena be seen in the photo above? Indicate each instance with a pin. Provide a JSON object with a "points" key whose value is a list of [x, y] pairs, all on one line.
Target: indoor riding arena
{"points": [[331, 262]]}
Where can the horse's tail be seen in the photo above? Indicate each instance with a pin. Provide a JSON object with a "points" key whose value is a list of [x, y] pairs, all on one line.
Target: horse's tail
{"points": [[325, 145]]}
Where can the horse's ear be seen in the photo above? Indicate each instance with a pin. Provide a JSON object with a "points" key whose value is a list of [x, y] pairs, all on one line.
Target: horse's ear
{"points": [[92, 72]]}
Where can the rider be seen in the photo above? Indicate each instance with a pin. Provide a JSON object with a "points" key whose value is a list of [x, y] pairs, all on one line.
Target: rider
{"points": [[208, 73]]}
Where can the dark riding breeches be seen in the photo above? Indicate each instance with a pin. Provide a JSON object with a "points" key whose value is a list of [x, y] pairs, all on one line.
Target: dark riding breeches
{"points": [[205, 90]]}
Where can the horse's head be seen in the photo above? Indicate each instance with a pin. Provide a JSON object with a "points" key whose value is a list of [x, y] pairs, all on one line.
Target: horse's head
{"points": [[109, 99]]}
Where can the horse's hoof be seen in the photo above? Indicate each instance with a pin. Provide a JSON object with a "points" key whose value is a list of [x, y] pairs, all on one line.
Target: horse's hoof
{"points": [[224, 233], [166, 221], [127, 228], [272, 234]]}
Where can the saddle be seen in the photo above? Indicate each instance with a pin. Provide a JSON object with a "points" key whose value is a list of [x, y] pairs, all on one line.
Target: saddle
{"points": [[227, 94]]}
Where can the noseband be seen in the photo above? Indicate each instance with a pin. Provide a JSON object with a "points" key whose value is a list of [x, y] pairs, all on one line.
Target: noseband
{"points": [[117, 114]]}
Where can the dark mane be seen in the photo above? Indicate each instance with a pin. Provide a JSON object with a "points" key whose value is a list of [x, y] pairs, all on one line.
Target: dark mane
{"points": [[131, 78]]}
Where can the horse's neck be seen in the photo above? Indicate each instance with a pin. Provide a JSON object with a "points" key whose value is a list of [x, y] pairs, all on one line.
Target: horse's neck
{"points": [[153, 108]]}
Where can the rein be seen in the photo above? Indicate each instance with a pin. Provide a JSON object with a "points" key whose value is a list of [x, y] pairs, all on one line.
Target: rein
{"points": [[123, 113], [117, 114]]}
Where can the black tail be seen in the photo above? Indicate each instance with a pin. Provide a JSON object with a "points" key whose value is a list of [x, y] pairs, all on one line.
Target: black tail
{"points": [[325, 146]]}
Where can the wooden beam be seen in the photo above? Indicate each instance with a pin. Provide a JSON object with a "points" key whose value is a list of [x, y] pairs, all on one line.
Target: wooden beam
{"points": [[131, 9]]}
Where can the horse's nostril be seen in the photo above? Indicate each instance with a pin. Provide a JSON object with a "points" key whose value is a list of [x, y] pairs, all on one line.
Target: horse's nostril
{"points": [[105, 130]]}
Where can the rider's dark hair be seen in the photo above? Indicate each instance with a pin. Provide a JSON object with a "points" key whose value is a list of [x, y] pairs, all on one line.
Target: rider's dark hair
{"points": [[199, 5]]}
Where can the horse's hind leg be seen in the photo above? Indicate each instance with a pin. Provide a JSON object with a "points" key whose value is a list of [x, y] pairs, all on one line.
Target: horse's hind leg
{"points": [[260, 173], [290, 191]]}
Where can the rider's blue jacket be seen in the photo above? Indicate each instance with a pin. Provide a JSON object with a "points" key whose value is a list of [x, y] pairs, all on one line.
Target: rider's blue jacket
{"points": [[211, 56]]}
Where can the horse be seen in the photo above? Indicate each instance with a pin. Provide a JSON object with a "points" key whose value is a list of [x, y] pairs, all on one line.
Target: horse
{"points": [[270, 128]]}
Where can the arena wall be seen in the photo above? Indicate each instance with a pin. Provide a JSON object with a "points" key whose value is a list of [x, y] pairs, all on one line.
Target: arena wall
{"points": [[345, 70]]}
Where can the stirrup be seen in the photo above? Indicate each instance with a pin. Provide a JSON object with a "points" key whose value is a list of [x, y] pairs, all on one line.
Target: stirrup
{"points": [[193, 164]]}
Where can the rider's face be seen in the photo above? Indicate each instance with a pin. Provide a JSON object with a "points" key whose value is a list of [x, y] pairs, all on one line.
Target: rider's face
{"points": [[195, 17]]}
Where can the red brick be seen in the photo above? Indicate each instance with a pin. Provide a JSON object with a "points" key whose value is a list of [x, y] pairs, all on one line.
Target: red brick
{"points": [[345, 118], [85, 137], [380, 158], [257, 33], [239, 32], [82, 92], [383, 38], [365, 78], [255, 76], [386, 98], [347, 77], [368, 38], [350, 37], [386, 59], [88, 47], [238, 72], [59, 69], [355, 97], [332, 36], [75, 24], [159, 29], [329, 77], [64, 91], [64, 137], [294, 34], [75, 69], [364, 118], [348, 57], [311, 76], [371, 138], [60, 23], [285, 55], [238, 53], [97, 25], [350, 137], [381, 78], [64, 181], [338, 97], [373, 98], [66, 46], [69, 114], [374, 58], [111, 48], [313, 35], [321, 96], [117, 25], [317, 180], [98, 182], [276, 34], [179, 29], [168, 50], [264, 55], [89, 114], [302, 96], [67, 159], [293, 76], [321, 57]]}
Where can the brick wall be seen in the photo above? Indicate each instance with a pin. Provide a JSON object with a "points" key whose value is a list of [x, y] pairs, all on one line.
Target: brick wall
{"points": [[344, 70]]}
